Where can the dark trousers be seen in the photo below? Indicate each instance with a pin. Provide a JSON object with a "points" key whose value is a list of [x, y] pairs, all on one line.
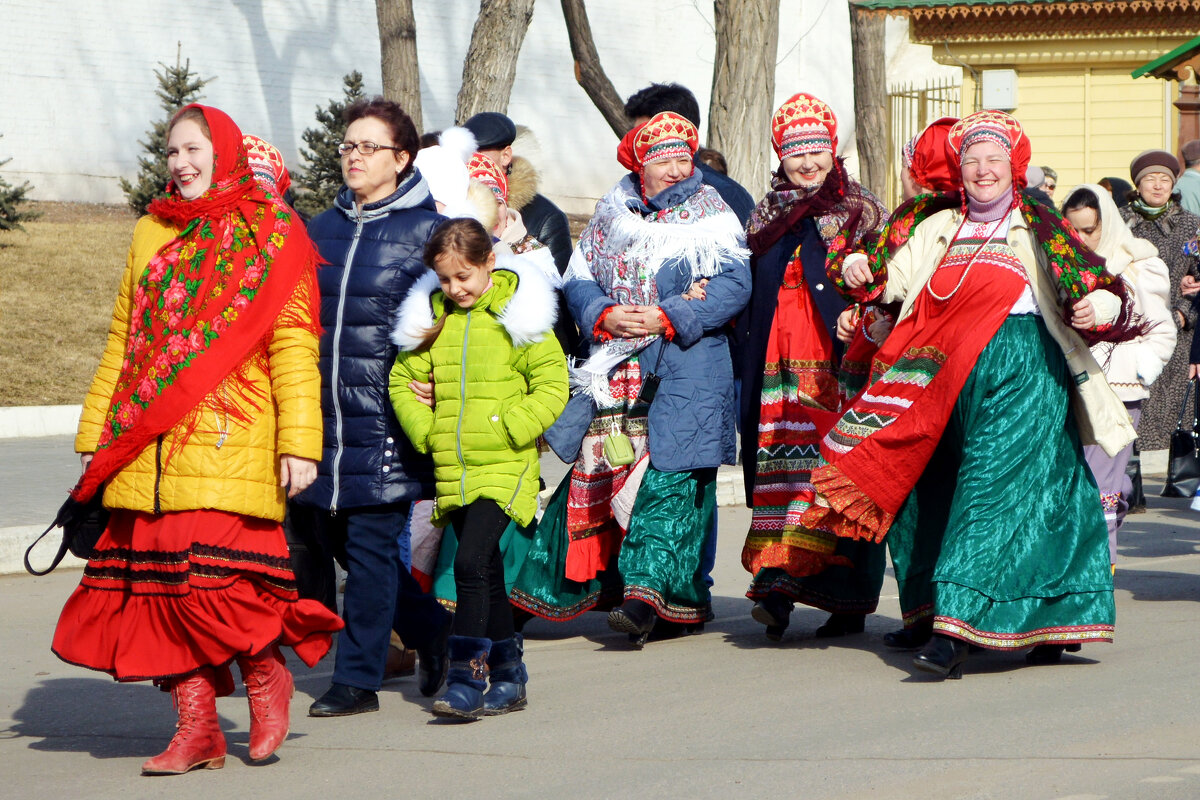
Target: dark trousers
{"points": [[381, 595], [483, 608]]}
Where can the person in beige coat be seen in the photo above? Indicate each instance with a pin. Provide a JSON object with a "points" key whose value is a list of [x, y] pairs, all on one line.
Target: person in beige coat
{"points": [[1131, 367]]}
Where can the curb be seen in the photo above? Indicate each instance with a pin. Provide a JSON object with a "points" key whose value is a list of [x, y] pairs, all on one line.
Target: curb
{"points": [[14, 541], [20, 422]]}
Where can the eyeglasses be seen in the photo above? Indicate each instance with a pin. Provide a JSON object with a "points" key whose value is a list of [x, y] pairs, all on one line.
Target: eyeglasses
{"points": [[366, 148], [1049, 186]]}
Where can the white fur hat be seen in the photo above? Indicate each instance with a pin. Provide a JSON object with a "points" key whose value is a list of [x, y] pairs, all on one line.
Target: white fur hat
{"points": [[444, 167]]}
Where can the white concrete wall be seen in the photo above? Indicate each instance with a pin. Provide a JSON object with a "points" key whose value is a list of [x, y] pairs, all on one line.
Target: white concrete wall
{"points": [[77, 88]]}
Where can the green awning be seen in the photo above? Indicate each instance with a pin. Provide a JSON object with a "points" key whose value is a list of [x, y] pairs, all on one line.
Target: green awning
{"points": [[1169, 61]]}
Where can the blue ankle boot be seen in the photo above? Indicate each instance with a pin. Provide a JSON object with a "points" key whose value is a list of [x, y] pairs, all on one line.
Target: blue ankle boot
{"points": [[466, 679], [508, 677]]}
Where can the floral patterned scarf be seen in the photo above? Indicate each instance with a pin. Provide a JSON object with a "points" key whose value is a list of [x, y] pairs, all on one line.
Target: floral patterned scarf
{"points": [[847, 214], [205, 306]]}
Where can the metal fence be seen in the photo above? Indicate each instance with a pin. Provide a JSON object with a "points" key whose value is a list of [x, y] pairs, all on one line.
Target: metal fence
{"points": [[910, 109]]}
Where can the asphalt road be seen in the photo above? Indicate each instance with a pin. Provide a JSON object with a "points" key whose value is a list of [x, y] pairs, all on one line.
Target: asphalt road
{"points": [[724, 714]]}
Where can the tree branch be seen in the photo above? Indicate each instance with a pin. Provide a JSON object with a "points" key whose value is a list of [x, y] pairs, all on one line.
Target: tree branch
{"points": [[588, 72]]}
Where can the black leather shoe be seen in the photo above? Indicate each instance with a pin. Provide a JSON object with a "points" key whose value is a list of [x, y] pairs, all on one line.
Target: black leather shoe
{"points": [[943, 656], [342, 701], [774, 611], [841, 624], [909, 638], [1044, 654], [432, 661], [634, 617]]}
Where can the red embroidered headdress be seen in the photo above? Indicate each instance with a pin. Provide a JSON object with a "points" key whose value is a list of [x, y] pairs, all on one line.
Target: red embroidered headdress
{"points": [[990, 126], [804, 124], [488, 172], [665, 135], [267, 163], [205, 305]]}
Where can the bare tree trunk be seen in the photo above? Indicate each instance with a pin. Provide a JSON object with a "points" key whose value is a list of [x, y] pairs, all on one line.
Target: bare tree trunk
{"points": [[491, 64], [870, 97], [739, 114], [588, 72], [398, 56]]}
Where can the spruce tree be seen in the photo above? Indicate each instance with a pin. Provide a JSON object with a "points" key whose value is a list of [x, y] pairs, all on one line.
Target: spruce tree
{"points": [[177, 86], [11, 200], [322, 175]]}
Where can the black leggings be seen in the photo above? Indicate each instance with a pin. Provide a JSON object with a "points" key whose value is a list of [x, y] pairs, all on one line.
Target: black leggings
{"points": [[483, 608]]}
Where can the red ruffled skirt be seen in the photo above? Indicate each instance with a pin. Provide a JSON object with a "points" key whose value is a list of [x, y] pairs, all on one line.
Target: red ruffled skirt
{"points": [[165, 595]]}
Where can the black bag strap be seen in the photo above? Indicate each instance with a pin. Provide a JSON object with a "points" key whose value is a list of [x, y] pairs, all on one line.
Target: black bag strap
{"points": [[66, 513], [1193, 387], [58, 557]]}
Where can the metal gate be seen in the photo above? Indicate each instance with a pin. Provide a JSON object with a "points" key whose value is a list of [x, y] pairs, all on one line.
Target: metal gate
{"points": [[910, 109]]}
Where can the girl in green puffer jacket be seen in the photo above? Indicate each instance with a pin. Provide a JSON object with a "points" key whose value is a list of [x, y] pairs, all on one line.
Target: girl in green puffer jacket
{"points": [[480, 329]]}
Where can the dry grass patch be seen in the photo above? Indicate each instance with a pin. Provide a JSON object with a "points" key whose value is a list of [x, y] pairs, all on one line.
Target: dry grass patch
{"points": [[58, 282]]}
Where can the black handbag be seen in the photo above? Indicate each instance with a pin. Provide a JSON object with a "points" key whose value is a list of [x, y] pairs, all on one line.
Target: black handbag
{"points": [[1183, 462], [82, 525]]}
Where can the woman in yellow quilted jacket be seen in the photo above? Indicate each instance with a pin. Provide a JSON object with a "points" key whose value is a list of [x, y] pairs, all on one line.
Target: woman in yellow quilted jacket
{"points": [[202, 417], [499, 381]]}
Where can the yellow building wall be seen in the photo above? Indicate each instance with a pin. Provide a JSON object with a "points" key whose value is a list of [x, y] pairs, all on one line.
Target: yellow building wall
{"points": [[1088, 123]]}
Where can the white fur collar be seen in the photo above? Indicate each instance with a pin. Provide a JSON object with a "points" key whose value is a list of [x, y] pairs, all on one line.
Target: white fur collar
{"points": [[527, 316]]}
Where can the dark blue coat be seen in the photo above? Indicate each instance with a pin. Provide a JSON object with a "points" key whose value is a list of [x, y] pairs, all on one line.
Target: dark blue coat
{"points": [[374, 256], [691, 422]]}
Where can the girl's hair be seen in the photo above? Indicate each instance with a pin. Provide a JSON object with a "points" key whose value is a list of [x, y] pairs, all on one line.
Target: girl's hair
{"points": [[1082, 198], [399, 124], [483, 202], [471, 242], [195, 115]]}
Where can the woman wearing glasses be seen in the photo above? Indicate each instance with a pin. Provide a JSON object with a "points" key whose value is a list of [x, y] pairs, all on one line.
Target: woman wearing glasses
{"points": [[371, 242]]}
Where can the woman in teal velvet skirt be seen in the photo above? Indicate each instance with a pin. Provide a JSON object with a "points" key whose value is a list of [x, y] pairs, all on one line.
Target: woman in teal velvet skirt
{"points": [[984, 393]]}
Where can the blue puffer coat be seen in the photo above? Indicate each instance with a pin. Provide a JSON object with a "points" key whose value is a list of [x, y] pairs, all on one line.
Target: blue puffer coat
{"points": [[691, 421], [374, 257]]}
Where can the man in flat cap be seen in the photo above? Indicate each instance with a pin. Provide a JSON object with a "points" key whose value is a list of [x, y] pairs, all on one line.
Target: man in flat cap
{"points": [[494, 136]]}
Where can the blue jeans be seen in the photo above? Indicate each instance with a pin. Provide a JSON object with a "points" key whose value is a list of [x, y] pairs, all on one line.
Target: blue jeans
{"points": [[381, 595]]}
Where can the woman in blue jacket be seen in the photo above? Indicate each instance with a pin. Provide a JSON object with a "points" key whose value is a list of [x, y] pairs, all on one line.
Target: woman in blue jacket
{"points": [[372, 241], [659, 272]]}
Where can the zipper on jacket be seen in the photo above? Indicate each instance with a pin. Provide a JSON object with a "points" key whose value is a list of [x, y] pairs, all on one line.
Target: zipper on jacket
{"points": [[334, 370], [517, 491], [158, 474], [462, 405]]}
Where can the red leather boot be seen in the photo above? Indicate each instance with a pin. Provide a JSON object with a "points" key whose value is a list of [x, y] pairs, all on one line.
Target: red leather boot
{"points": [[269, 689], [198, 741]]}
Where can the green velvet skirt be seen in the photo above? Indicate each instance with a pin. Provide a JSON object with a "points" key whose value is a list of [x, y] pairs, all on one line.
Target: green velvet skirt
{"points": [[1003, 541], [659, 559]]}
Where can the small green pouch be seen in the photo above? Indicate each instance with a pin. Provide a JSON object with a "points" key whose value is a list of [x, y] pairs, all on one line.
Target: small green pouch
{"points": [[618, 448]]}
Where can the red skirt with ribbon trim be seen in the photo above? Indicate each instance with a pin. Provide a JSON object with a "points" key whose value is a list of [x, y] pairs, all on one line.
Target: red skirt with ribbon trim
{"points": [[165, 595]]}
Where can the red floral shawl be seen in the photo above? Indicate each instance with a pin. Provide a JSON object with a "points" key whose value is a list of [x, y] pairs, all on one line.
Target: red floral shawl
{"points": [[204, 306]]}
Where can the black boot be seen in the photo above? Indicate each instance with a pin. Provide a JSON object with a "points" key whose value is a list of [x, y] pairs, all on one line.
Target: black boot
{"points": [[432, 662], [1043, 654], [841, 624], [910, 638], [943, 656], [507, 677], [635, 617], [773, 611]]}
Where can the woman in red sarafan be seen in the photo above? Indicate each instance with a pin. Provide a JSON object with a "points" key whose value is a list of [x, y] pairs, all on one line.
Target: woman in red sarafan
{"points": [[202, 418]]}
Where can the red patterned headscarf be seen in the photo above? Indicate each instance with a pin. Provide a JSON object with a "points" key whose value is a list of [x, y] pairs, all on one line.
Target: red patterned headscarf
{"points": [[990, 126], [488, 172], [928, 162], [804, 124], [205, 305]]}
